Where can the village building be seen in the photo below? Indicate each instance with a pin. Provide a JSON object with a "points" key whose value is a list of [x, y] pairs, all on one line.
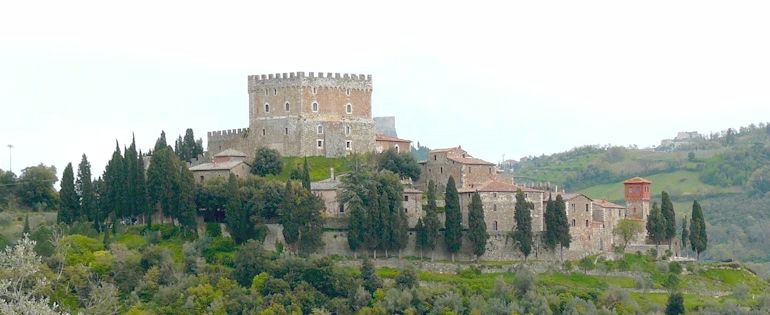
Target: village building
{"points": [[466, 170], [384, 143], [498, 199], [222, 165]]}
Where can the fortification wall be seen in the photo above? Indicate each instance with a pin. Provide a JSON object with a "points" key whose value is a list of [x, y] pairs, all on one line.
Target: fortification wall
{"points": [[221, 140], [300, 79]]}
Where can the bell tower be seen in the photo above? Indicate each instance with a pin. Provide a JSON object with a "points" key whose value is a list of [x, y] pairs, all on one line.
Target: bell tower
{"points": [[637, 195]]}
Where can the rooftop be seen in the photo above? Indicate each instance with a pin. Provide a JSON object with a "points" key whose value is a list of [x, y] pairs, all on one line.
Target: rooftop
{"points": [[221, 166], [230, 153], [637, 180], [606, 204], [496, 186], [381, 137]]}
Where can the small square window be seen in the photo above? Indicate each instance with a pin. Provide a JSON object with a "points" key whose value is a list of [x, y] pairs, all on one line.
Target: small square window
{"points": [[264, 132], [275, 91], [348, 145], [320, 129], [313, 90], [406, 198], [286, 131], [319, 143]]}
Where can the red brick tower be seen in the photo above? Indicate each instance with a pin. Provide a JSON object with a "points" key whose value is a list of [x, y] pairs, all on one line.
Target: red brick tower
{"points": [[637, 194]]}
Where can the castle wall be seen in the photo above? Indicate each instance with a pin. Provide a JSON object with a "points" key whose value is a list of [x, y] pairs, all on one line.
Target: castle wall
{"points": [[473, 174]]}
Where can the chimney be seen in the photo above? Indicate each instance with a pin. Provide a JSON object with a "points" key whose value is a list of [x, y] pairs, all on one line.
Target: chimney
{"points": [[331, 172]]}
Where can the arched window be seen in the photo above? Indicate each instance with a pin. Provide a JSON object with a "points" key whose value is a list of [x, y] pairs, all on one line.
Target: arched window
{"points": [[267, 108], [398, 150], [320, 129], [573, 222], [347, 92], [286, 106], [586, 223], [349, 108], [275, 91], [315, 106], [264, 132]]}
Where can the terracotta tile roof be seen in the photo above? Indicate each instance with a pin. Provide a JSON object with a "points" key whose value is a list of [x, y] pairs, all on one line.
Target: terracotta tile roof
{"points": [[637, 180], [381, 137], [571, 196], [230, 152], [222, 166], [446, 149], [606, 204], [469, 160]]}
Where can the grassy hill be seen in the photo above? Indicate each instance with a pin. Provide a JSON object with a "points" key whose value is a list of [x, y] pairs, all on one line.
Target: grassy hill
{"points": [[681, 183]]}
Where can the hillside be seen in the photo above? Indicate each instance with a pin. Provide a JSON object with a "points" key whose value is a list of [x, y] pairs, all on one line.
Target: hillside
{"points": [[724, 172]]}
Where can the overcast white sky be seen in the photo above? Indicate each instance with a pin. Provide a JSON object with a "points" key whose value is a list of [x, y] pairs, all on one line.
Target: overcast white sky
{"points": [[515, 79]]}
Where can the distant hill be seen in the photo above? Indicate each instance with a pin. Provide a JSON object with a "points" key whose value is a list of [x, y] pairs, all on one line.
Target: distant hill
{"points": [[726, 172]]}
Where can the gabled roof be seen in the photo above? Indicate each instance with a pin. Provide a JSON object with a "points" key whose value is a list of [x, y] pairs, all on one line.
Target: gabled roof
{"points": [[469, 160], [222, 166], [637, 180], [606, 204], [381, 137], [447, 149], [230, 153], [571, 196]]}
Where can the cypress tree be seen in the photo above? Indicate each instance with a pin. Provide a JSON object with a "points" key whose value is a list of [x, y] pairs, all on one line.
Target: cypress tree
{"points": [[238, 219], [115, 184], [141, 201], [522, 232], [26, 230], [289, 217], [163, 182], [375, 223], [656, 225], [432, 224], [551, 224], [685, 234], [421, 240], [305, 175], [667, 209], [100, 190], [356, 223], [185, 211], [69, 202], [386, 233], [477, 227], [698, 238], [675, 304], [161, 142], [453, 232], [371, 282], [564, 239], [86, 190]]}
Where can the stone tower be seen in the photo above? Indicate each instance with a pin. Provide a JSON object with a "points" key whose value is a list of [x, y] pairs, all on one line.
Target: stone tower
{"points": [[304, 115], [637, 195]]}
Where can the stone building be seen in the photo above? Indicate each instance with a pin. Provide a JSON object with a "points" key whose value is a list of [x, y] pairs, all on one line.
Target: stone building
{"points": [[304, 115], [466, 170], [384, 143], [498, 200], [637, 194], [412, 205], [222, 165]]}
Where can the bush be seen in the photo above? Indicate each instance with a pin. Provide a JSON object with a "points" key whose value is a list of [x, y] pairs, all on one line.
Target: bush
{"points": [[213, 229], [267, 161], [407, 279], [675, 267], [218, 245]]}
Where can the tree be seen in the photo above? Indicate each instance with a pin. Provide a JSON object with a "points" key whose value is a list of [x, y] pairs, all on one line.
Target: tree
{"points": [[667, 209], [407, 278], [396, 227], [698, 238], [685, 234], [35, 187], [561, 225], [26, 230], [7, 185], [141, 197], [301, 218], [627, 229], [477, 227], [759, 181], [370, 280], [185, 202], [421, 240], [402, 164], [238, 223], [115, 183], [656, 225], [550, 237], [266, 161], [691, 156], [163, 181], [305, 174], [453, 232], [161, 142], [250, 261], [675, 304], [432, 224], [68, 208], [188, 148], [356, 223], [522, 232], [24, 281], [86, 191]]}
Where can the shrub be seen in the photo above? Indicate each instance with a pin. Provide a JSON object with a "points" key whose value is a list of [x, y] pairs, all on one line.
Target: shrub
{"points": [[81, 249], [407, 279], [213, 229], [218, 245], [675, 267]]}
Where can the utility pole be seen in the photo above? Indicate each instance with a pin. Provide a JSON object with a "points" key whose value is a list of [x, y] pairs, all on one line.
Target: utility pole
{"points": [[10, 157]]}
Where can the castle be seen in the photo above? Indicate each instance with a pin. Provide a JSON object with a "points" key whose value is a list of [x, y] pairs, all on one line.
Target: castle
{"points": [[301, 114]]}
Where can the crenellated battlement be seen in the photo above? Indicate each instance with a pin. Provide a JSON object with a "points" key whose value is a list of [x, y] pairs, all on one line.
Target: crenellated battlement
{"points": [[228, 134], [311, 79]]}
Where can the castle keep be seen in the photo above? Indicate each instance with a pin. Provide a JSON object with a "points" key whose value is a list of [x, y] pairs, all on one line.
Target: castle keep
{"points": [[301, 114]]}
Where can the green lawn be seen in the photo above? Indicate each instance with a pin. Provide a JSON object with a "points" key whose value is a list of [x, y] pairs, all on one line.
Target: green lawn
{"points": [[319, 167]]}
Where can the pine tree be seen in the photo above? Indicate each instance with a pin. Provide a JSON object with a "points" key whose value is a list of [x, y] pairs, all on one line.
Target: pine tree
{"points": [[698, 237], [667, 209], [562, 226], [656, 225], [551, 224], [477, 227], [432, 224], [305, 175], [421, 240], [86, 191], [685, 234], [238, 218], [356, 223], [453, 232], [522, 232], [301, 219], [69, 202]]}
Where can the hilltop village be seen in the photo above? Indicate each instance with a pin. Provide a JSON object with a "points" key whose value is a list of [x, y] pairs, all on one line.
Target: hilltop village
{"points": [[330, 115]]}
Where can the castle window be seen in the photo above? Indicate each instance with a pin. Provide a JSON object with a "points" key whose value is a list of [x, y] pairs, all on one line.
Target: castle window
{"points": [[347, 92], [267, 108], [434, 157], [286, 131], [286, 106], [406, 210], [347, 130], [398, 150], [342, 208], [348, 145], [494, 207], [315, 106], [586, 223], [275, 91], [264, 132], [494, 225], [469, 169], [349, 108], [441, 170], [573, 222], [494, 194], [319, 143], [573, 207], [314, 90], [320, 129], [490, 170], [586, 207]]}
